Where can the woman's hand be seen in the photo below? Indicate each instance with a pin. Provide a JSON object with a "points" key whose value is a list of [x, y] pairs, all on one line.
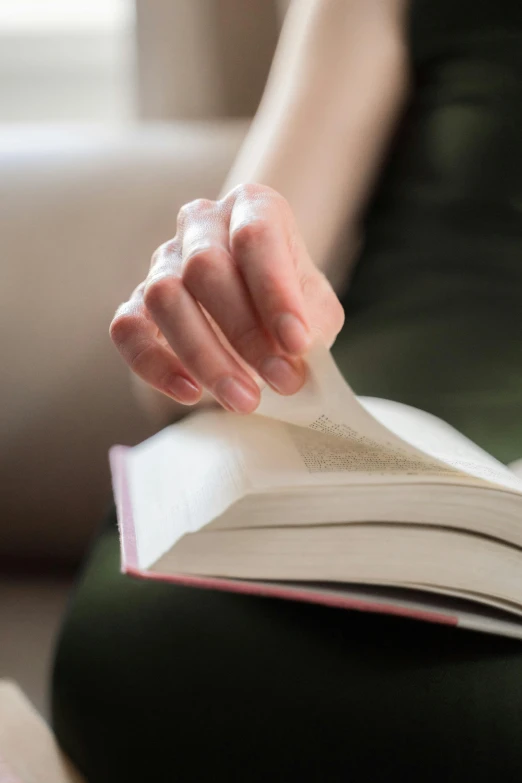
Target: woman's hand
{"points": [[233, 295]]}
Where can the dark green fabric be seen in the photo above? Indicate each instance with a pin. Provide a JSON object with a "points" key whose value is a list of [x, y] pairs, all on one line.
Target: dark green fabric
{"points": [[434, 311], [157, 682], [164, 683]]}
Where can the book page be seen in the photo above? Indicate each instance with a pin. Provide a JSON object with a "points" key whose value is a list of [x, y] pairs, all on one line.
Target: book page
{"points": [[180, 479], [373, 435], [326, 405], [516, 467], [276, 455], [334, 433], [440, 440], [401, 555]]}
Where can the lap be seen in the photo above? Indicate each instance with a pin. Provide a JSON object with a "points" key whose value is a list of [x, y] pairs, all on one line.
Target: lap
{"points": [[153, 678]]}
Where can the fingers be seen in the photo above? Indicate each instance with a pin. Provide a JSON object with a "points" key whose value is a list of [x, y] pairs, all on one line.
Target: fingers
{"points": [[184, 325], [288, 290], [262, 242], [136, 336], [324, 309], [234, 292], [213, 279]]}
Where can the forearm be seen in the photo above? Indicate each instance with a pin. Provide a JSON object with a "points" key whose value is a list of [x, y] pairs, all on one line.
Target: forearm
{"points": [[336, 87], [337, 84]]}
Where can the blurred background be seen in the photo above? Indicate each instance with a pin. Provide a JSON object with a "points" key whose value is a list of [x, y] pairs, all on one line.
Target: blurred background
{"points": [[113, 113]]}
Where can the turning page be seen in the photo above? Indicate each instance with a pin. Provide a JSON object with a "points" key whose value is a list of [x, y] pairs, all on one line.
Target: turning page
{"points": [[335, 431], [191, 472]]}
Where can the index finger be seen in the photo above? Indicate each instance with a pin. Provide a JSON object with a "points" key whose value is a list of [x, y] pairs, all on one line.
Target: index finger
{"points": [[262, 231]]}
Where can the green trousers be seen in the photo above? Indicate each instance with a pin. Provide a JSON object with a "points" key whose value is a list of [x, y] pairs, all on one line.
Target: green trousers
{"points": [[156, 682]]}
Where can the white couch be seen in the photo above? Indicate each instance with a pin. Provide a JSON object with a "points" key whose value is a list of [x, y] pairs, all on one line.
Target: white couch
{"points": [[81, 210], [81, 213]]}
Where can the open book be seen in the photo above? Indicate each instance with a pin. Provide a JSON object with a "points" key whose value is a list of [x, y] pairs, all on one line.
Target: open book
{"points": [[331, 498]]}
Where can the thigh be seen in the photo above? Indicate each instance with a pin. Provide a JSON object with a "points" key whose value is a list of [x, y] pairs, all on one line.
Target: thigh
{"points": [[155, 681]]}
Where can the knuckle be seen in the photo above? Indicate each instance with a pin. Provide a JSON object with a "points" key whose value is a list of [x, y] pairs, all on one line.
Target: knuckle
{"points": [[193, 209], [138, 357], [247, 190], [163, 253], [200, 264], [202, 256], [249, 235], [249, 342], [192, 361], [254, 191], [159, 292], [156, 256], [137, 294], [183, 215], [200, 204], [316, 287], [272, 285], [323, 300], [123, 327], [338, 315], [309, 285]]}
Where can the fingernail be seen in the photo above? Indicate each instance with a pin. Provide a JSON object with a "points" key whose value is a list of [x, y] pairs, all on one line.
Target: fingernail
{"points": [[281, 375], [236, 395], [292, 333], [184, 390]]}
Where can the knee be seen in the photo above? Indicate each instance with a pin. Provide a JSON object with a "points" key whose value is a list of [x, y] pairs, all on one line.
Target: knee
{"points": [[72, 695]]}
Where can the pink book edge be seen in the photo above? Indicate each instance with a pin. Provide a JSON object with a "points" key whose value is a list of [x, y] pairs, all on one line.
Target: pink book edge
{"points": [[129, 565]]}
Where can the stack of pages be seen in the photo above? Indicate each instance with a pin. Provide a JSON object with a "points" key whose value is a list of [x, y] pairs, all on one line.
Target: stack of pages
{"points": [[327, 497]]}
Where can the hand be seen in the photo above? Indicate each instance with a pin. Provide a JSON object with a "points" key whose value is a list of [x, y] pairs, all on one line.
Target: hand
{"points": [[233, 296]]}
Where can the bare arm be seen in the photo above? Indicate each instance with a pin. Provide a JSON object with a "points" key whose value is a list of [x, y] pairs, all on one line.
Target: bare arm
{"points": [[336, 86]]}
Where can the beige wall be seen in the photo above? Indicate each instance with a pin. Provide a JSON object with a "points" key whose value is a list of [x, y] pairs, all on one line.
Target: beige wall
{"points": [[203, 58]]}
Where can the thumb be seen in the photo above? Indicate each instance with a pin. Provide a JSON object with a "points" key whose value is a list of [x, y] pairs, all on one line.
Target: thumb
{"points": [[323, 309]]}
